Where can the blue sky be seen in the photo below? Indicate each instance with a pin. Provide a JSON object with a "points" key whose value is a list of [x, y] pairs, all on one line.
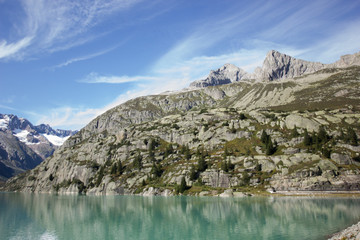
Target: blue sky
{"points": [[64, 62]]}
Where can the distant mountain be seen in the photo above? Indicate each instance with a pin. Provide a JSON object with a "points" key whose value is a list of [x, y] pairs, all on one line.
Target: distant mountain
{"points": [[276, 66], [23, 146]]}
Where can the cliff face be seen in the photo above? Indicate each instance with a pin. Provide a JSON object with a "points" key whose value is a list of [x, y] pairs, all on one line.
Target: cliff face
{"points": [[215, 137]]}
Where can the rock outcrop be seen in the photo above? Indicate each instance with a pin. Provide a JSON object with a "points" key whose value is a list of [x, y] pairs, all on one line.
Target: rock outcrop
{"points": [[228, 73]]}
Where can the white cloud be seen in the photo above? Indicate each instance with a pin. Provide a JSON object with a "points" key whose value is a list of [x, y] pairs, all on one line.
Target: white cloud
{"points": [[7, 50], [49, 26]]}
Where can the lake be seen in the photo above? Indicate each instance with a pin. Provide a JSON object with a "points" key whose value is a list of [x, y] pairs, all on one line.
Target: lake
{"points": [[42, 216]]}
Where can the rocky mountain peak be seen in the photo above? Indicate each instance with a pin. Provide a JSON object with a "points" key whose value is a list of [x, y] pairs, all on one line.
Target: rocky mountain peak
{"points": [[281, 66], [276, 66], [348, 60], [228, 73]]}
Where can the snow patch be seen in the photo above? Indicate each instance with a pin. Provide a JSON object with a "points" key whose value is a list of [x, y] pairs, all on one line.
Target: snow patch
{"points": [[4, 123], [22, 135], [57, 141]]}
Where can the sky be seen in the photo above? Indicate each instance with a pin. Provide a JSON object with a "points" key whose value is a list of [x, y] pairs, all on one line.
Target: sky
{"points": [[65, 62]]}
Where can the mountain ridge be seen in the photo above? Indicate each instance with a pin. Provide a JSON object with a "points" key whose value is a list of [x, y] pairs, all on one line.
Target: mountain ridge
{"points": [[276, 66], [148, 144]]}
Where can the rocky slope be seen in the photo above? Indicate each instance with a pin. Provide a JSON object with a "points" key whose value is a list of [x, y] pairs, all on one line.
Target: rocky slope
{"points": [[23, 146], [294, 134], [276, 66]]}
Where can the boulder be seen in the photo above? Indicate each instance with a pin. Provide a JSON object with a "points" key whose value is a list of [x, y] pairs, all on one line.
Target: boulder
{"points": [[341, 158], [227, 193], [295, 120]]}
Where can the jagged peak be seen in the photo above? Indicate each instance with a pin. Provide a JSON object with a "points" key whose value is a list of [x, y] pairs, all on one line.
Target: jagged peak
{"points": [[276, 66]]}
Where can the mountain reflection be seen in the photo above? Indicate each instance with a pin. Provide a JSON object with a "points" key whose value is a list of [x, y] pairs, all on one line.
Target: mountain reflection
{"points": [[134, 217]]}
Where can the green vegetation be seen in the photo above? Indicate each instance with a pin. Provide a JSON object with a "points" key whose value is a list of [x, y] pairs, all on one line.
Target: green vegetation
{"points": [[137, 164], [270, 147], [182, 187]]}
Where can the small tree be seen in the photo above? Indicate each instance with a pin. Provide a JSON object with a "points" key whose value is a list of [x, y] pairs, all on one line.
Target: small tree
{"points": [[152, 155], [270, 148], [230, 165], [169, 150], [182, 186], [323, 137], [100, 176], [326, 152], [193, 173], [294, 132], [152, 145], [224, 166], [113, 168], [352, 137], [138, 161], [307, 138], [187, 153], [232, 129], [201, 164], [264, 137], [156, 170], [120, 168]]}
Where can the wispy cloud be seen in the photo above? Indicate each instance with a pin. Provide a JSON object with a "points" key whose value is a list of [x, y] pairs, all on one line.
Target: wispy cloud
{"points": [[50, 25], [96, 78], [8, 49], [82, 58]]}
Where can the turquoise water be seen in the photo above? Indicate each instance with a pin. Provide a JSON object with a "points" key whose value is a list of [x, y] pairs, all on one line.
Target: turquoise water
{"points": [[41, 216]]}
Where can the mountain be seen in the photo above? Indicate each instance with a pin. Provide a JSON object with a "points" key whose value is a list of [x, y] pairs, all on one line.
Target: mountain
{"points": [[23, 146], [288, 134], [276, 66]]}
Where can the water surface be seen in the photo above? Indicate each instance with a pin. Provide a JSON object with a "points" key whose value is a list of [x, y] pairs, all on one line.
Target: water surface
{"points": [[42, 216]]}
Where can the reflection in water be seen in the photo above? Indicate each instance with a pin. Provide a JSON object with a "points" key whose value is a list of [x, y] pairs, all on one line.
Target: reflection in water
{"points": [[29, 216]]}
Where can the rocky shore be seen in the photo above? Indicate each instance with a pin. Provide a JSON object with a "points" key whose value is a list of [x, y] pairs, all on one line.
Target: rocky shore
{"points": [[352, 232]]}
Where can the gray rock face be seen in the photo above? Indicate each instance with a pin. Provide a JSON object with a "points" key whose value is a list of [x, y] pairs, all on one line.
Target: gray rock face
{"points": [[296, 120], [279, 66], [341, 159], [228, 73]]}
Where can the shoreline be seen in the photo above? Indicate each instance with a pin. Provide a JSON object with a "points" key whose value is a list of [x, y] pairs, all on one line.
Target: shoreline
{"points": [[318, 193], [226, 194], [352, 232]]}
